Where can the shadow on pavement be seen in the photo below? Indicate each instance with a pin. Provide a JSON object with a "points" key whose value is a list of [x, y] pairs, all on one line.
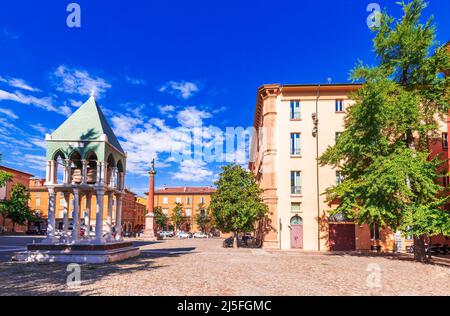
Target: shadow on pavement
{"points": [[50, 279]]}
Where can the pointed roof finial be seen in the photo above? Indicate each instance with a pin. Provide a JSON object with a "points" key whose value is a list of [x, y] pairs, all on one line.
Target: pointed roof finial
{"points": [[93, 93]]}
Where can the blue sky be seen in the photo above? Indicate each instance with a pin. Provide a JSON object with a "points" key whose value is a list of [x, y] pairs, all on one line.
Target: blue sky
{"points": [[161, 67]]}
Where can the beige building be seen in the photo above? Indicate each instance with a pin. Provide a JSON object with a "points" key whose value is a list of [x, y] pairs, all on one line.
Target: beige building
{"points": [[294, 125]]}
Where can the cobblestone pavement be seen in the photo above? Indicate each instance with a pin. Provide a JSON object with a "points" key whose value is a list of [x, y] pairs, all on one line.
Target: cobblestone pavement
{"points": [[202, 267]]}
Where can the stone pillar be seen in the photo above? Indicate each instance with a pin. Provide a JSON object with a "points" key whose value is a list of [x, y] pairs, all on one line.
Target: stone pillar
{"points": [[99, 173], [76, 216], [118, 226], [89, 213], [84, 172], [99, 217], [66, 214], [48, 172], [104, 175], [51, 216], [68, 172], [150, 225], [53, 172], [109, 217]]}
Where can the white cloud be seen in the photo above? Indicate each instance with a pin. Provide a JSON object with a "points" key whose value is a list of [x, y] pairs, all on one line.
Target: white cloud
{"points": [[65, 110], [43, 103], [193, 171], [75, 103], [135, 81], [191, 117], [18, 83], [78, 81], [166, 109], [40, 128], [9, 113], [183, 89]]}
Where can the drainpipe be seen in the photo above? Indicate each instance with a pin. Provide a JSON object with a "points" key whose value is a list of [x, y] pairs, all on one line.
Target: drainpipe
{"points": [[316, 126]]}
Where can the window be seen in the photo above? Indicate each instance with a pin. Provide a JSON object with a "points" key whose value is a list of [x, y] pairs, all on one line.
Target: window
{"points": [[295, 183], [339, 105], [179, 200], [38, 202], [338, 134], [188, 201], [188, 212], [339, 177], [445, 140], [165, 200], [295, 110], [374, 232], [295, 144], [296, 207], [165, 211], [202, 200]]}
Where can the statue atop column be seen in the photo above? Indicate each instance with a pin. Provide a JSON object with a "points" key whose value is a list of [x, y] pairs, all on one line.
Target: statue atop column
{"points": [[150, 225]]}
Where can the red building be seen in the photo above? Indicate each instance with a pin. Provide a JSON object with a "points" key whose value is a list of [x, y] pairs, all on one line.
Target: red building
{"points": [[5, 193]]}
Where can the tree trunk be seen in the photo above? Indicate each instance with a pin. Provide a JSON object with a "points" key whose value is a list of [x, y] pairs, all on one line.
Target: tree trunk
{"points": [[420, 254], [14, 227], [235, 240]]}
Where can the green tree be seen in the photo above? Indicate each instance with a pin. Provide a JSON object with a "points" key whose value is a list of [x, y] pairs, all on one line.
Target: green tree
{"points": [[18, 210], [237, 205], [202, 218], [390, 177], [177, 216], [160, 218]]}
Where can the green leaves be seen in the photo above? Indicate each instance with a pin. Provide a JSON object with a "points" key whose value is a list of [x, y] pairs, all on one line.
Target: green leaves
{"points": [[177, 215], [237, 205], [160, 218], [17, 205]]}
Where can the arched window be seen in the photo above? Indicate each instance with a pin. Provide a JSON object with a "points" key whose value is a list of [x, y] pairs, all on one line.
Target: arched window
{"points": [[296, 220]]}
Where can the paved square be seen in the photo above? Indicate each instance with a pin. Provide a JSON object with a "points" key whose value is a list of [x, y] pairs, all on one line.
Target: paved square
{"points": [[203, 267]]}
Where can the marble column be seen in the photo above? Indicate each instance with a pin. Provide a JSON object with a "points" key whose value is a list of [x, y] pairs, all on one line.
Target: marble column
{"points": [[89, 213], [84, 172], [104, 173], [68, 172], [53, 172], [118, 227], [51, 216], [76, 216], [48, 175], [109, 217], [99, 217], [66, 214], [99, 174]]}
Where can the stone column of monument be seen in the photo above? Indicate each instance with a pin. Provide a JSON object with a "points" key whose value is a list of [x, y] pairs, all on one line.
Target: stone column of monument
{"points": [[150, 225]]}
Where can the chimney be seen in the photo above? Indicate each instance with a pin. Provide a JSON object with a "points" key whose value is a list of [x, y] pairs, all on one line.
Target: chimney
{"points": [[185, 188]]}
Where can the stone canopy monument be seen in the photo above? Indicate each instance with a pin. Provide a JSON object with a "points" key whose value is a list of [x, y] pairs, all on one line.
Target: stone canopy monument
{"points": [[85, 162]]}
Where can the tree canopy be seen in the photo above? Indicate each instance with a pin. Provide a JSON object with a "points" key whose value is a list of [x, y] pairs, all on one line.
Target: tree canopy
{"points": [[237, 205]]}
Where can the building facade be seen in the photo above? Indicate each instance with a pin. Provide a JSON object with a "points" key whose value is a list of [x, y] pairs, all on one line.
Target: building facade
{"points": [[294, 126], [5, 193], [192, 199]]}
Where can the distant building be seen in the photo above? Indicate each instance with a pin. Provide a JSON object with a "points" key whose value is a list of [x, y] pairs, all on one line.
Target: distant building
{"points": [[5, 193], [193, 199]]}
